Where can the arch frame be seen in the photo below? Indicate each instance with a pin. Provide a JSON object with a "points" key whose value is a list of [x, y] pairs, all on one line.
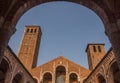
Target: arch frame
{"points": [[89, 4], [73, 72]]}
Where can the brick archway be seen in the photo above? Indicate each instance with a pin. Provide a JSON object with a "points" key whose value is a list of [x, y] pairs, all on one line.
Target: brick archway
{"points": [[32, 3]]}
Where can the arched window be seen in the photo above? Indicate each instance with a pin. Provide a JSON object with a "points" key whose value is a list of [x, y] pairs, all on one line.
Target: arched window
{"points": [[47, 78], [99, 48], [101, 79], [17, 79], [27, 30], [115, 72], [73, 78], [34, 30], [4, 66], [94, 48], [60, 74], [31, 31]]}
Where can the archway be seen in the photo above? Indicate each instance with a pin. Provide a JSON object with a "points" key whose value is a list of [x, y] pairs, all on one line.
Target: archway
{"points": [[60, 74], [17, 78], [35, 80], [47, 78], [101, 79], [115, 72], [73, 78], [4, 67]]}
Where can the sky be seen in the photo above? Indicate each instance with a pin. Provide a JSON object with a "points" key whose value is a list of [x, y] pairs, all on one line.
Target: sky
{"points": [[66, 27]]}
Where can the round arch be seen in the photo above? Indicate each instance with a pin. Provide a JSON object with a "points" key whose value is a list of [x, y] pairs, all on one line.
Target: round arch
{"points": [[114, 72], [4, 69], [8, 61], [35, 79], [60, 74], [17, 78], [101, 78], [73, 78], [47, 77], [32, 3]]}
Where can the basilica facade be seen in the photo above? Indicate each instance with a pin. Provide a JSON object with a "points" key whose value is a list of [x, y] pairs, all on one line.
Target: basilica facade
{"points": [[103, 67]]}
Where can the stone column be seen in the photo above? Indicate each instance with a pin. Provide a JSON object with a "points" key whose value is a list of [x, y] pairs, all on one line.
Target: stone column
{"points": [[54, 73], [67, 75], [113, 33], [6, 31]]}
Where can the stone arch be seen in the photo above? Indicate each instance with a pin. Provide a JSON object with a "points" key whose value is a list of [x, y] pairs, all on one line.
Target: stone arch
{"points": [[108, 70], [47, 77], [101, 78], [76, 74], [17, 78], [4, 69], [60, 74], [31, 3], [114, 72], [73, 78], [35, 79], [8, 61]]}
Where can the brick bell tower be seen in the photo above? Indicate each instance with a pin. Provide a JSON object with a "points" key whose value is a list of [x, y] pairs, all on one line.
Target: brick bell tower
{"points": [[95, 53], [29, 48]]}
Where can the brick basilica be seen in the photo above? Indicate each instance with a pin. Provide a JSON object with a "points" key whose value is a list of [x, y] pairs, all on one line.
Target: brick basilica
{"points": [[103, 67]]}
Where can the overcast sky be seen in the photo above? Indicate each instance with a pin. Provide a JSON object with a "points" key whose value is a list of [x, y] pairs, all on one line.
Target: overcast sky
{"points": [[66, 27]]}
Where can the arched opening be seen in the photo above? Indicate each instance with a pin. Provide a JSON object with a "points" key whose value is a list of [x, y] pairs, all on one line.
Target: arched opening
{"points": [[55, 23], [101, 79], [115, 72], [73, 78], [47, 78], [17, 79], [60, 74], [4, 66], [35, 80]]}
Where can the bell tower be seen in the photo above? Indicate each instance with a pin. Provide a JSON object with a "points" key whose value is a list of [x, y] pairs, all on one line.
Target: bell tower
{"points": [[29, 48], [95, 53]]}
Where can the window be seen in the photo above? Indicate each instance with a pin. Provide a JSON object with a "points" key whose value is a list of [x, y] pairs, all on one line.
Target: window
{"points": [[34, 30], [99, 48], [27, 30], [31, 30], [94, 48]]}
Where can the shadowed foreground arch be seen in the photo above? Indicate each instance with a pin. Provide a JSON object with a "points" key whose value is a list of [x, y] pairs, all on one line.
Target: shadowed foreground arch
{"points": [[107, 10]]}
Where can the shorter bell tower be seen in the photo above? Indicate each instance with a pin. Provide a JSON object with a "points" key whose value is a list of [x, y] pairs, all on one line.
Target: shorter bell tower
{"points": [[95, 53], [29, 48]]}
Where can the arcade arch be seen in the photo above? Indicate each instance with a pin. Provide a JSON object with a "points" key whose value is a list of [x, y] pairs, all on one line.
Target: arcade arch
{"points": [[60, 74], [73, 78]]}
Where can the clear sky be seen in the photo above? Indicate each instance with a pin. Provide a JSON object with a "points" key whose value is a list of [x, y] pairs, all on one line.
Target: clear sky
{"points": [[67, 28]]}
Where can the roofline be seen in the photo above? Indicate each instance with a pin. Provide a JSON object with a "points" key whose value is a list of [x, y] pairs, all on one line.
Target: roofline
{"points": [[93, 44], [32, 25], [64, 58]]}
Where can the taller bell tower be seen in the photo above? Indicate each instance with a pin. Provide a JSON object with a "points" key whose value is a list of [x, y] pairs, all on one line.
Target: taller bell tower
{"points": [[29, 48]]}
